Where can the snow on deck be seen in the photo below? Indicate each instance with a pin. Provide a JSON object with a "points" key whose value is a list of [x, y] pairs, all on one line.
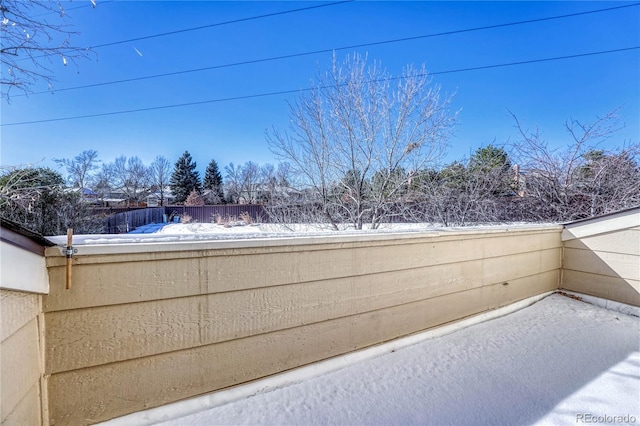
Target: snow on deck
{"points": [[559, 361]]}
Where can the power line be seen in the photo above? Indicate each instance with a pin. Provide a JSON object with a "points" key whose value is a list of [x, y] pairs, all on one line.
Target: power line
{"points": [[557, 58], [234, 21], [64, 10], [217, 24], [315, 52], [291, 91]]}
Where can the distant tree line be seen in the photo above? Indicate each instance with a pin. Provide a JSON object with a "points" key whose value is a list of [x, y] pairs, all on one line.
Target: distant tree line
{"points": [[363, 148], [542, 185], [134, 181], [43, 200]]}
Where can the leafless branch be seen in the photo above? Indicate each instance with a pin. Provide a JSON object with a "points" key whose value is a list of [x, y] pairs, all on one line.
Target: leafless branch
{"points": [[35, 34]]}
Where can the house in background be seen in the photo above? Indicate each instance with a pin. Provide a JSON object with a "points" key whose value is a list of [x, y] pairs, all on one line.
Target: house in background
{"points": [[153, 199]]}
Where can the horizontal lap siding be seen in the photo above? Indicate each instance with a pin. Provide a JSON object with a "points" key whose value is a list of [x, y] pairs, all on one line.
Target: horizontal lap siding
{"points": [[20, 359], [612, 288], [134, 334], [605, 265], [624, 266], [116, 279], [141, 329], [16, 309]]}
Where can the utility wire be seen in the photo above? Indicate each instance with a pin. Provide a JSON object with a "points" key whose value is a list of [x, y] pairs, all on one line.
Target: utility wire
{"points": [[64, 10], [234, 21], [286, 92], [315, 52], [217, 24]]}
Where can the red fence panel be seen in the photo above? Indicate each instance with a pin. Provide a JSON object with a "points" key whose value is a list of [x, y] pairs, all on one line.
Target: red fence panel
{"points": [[208, 214], [125, 219]]}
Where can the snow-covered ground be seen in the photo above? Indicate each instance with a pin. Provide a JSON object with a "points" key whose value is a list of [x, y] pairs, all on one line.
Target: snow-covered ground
{"points": [[308, 228], [559, 361]]}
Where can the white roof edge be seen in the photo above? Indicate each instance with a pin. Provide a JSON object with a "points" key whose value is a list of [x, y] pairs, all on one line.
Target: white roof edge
{"points": [[23, 270], [151, 243], [603, 224]]}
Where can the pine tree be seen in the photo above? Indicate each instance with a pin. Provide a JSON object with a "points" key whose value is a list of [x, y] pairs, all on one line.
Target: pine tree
{"points": [[185, 178], [213, 181]]}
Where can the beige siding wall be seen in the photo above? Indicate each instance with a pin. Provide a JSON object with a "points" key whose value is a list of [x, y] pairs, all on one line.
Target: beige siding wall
{"points": [[20, 358], [154, 325], [605, 264]]}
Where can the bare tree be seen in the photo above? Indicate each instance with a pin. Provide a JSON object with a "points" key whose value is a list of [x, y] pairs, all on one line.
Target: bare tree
{"points": [[578, 180], [358, 122], [460, 194], [284, 201], [609, 181], [251, 181], [104, 181], [233, 182], [80, 168], [160, 175], [277, 185], [243, 183], [269, 186], [131, 177], [34, 35]]}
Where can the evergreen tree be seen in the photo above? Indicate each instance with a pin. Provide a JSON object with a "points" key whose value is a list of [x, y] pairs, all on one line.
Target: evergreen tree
{"points": [[185, 178], [490, 158], [213, 181], [492, 166]]}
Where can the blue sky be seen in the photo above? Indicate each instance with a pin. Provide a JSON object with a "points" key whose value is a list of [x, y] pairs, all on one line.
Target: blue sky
{"points": [[541, 94]]}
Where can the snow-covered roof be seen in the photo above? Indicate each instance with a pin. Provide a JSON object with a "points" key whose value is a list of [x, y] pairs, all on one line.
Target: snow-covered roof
{"points": [[178, 236]]}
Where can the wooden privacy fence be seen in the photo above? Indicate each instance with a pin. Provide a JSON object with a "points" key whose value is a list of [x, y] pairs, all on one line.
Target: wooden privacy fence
{"points": [[120, 223], [106, 211]]}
